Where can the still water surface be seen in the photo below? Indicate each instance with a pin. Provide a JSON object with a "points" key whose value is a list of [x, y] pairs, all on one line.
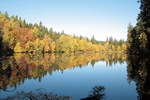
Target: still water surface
{"points": [[67, 75]]}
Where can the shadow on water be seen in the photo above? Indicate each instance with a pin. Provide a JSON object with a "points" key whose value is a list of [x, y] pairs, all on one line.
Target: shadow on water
{"points": [[36, 96], [97, 93], [139, 71]]}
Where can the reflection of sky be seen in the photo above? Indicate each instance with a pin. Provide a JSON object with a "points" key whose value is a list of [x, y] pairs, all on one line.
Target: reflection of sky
{"points": [[78, 82], [101, 18]]}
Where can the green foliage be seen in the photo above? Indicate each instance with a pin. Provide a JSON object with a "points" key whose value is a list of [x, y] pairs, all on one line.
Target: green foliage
{"points": [[139, 36]]}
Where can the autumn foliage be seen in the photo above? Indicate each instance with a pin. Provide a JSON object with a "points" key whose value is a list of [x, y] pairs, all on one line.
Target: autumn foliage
{"points": [[16, 35]]}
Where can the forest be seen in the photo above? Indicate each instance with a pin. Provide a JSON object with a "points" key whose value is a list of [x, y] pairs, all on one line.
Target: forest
{"points": [[139, 50], [35, 57], [18, 36], [139, 35]]}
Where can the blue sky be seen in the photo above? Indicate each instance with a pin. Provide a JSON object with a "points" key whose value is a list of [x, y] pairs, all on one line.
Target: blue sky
{"points": [[101, 18]]}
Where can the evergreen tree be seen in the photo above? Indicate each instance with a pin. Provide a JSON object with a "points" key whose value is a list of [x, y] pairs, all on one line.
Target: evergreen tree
{"points": [[139, 36]]}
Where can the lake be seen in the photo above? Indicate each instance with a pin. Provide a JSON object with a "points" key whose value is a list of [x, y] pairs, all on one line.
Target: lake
{"points": [[77, 76]]}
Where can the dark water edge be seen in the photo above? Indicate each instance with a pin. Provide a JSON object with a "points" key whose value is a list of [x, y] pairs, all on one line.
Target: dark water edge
{"points": [[139, 71], [107, 76]]}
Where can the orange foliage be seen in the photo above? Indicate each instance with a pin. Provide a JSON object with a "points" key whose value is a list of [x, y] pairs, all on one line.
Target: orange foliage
{"points": [[23, 35]]}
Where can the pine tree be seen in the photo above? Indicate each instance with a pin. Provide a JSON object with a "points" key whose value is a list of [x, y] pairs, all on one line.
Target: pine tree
{"points": [[139, 36]]}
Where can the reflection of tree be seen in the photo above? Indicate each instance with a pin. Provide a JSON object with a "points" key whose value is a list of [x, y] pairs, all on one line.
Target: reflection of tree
{"points": [[139, 71], [36, 96], [16, 69], [97, 93]]}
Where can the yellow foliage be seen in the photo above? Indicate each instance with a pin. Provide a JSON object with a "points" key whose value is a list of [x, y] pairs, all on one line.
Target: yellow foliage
{"points": [[36, 32], [18, 48]]}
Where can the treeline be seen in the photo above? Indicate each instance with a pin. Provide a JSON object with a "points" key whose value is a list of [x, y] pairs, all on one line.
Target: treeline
{"points": [[16, 35], [139, 36], [113, 45]]}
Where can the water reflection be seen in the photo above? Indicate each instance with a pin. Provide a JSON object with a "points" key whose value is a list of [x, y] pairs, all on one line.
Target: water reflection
{"points": [[139, 71], [36, 96], [97, 93], [16, 69]]}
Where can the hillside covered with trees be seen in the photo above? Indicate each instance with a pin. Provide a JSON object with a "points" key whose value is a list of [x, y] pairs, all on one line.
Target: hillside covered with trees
{"points": [[16, 35]]}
